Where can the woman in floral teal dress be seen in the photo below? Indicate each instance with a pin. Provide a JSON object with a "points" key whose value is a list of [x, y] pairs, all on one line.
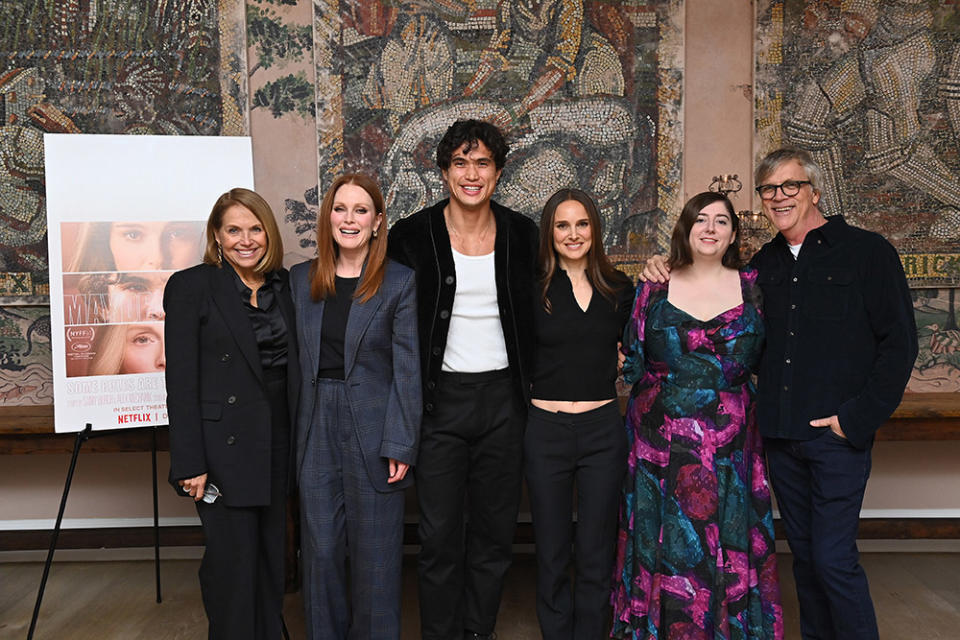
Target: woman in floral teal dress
{"points": [[695, 556]]}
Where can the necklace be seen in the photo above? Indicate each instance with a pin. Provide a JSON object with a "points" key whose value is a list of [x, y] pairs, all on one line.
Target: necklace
{"points": [[461, 239]]}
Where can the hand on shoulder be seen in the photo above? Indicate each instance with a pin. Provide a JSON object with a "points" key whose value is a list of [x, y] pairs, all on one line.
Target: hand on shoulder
{"points": [[655, 270]]}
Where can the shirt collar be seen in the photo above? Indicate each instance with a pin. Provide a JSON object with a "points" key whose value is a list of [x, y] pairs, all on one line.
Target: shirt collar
{"points": [[832, 232], [271, 281]]}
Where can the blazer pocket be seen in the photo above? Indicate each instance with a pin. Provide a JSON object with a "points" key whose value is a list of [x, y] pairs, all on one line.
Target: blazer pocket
{"points": [[211, 410]]}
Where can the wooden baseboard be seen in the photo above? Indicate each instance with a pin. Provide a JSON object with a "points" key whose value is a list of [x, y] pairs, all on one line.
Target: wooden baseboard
{"points": [[126, 537]]}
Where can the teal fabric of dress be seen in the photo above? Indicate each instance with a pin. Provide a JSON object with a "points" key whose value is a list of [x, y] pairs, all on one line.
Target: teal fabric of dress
{"points": [[695, 555]]}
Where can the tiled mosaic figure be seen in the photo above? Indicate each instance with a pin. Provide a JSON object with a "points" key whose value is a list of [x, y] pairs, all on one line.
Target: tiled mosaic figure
{"points": [[884, 74]]}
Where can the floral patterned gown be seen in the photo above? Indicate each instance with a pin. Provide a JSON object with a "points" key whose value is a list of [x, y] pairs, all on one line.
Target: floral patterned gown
{"points": [[695, 555]]}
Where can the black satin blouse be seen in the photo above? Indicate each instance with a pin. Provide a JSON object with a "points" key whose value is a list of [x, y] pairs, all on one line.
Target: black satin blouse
{"points": [[266, 319]]}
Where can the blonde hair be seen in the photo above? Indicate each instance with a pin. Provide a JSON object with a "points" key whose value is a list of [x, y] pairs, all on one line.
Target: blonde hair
{"points": [[273, 256], [108, 345], [93, 249]]}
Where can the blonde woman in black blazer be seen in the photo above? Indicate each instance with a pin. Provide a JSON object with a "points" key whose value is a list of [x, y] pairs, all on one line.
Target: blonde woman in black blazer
{"points": [[232, 381]]}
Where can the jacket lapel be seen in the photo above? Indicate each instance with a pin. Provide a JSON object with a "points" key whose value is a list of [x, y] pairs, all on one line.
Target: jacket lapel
{"points": [[361, 313], [227, 299], [312, 318]]}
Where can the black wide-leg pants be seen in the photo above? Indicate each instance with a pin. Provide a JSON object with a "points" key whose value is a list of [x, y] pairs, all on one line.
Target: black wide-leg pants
{"points": [[587, 453], [242, 571]]}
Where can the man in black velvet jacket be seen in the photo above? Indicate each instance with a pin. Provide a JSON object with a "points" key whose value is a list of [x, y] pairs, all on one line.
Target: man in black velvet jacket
{"points": [[841, 341], [475, 262]]}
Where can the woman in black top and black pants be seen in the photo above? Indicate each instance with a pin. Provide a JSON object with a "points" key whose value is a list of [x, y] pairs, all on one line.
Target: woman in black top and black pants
{"points": [[575, 434], [232, 379]]}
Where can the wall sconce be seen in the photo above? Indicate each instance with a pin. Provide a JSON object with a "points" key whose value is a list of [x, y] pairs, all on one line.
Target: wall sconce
{"points": [[753, 221], [726, 183]]}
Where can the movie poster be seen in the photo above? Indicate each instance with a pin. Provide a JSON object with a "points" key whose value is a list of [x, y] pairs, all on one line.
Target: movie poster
{"points": [[124, 213]]}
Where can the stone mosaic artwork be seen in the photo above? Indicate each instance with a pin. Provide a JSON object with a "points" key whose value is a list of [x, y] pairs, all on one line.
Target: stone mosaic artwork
{"points": [[26, 377], [282, 116], [103, 66], [175, 67], [872, 89], [589, 94], [938, 365]]}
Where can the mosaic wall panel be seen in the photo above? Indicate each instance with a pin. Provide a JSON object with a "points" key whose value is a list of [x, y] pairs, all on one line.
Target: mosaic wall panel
{"points": [[872, 89], [174, 67], [25, 371], [589, 94], [103, 66], [938, 365], [282, 115]]}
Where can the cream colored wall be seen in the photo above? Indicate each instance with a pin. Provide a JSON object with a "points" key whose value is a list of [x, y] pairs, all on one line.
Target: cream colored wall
{"points": [[106, 486], [718, 102], [909, 478]]}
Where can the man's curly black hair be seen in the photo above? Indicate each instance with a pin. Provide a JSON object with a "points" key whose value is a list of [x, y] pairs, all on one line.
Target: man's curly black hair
{"points": [[470, 132]]}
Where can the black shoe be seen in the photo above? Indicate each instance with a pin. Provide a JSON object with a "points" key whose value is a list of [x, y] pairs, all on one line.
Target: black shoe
{"points": [[470, 635]]}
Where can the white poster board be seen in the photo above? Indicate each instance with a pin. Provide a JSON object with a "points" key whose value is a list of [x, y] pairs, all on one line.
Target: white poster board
{"points": [[123, 213]]}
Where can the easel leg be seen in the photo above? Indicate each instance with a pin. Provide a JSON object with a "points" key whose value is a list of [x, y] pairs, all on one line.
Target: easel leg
{"points": [[156, 516], [81, 436]]}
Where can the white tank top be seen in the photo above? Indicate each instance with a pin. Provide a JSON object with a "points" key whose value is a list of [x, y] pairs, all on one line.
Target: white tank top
{"points": [[475, 340]]}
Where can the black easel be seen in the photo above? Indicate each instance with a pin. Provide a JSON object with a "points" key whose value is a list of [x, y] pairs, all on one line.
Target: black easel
{"points": [[82, 437]]}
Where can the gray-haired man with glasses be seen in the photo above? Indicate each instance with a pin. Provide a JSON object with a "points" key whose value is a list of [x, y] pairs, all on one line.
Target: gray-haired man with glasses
{"points": [[841, 341]]}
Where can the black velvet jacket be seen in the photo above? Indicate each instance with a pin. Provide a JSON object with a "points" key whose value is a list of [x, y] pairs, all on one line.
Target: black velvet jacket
{"points": [[421, 242], [841, 335]]}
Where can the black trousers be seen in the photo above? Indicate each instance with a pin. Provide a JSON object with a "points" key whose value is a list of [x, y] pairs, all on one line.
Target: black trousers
{"points": [[587, 453], [242, 571], [469, 463], [819, 486]]}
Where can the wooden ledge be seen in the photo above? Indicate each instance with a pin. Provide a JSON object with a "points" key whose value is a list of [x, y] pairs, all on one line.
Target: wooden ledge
{"points": [[29, 429], [112, 538]]}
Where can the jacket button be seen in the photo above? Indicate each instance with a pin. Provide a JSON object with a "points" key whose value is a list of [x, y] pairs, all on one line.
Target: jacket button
{"points": [[448, 280], [429, 407], [444, 314], [232, 400], [436, 351], [225, 357], [231, 439], [431, 385]]}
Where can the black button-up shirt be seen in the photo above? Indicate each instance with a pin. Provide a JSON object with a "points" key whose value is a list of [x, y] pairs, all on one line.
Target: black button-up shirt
{"points": [[266, 319], [841, 335]]}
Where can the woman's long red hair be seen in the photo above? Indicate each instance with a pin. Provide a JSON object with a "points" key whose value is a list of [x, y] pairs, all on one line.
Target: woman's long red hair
{"points": [[323, 269]]}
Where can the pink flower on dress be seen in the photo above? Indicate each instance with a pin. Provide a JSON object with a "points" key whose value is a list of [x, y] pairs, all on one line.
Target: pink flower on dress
{"points": [[696, 491], [697, 338]]}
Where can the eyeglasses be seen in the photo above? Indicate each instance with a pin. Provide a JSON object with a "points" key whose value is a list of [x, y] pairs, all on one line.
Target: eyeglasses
{"points": [[788, 188]]}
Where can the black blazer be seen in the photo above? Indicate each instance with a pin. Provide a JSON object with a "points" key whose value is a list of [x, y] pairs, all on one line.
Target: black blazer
{"points": [[217, 404], [421, 242]]}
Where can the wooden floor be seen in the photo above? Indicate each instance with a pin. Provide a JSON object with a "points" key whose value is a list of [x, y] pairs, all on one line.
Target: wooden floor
{"points": [[917, 595]]}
